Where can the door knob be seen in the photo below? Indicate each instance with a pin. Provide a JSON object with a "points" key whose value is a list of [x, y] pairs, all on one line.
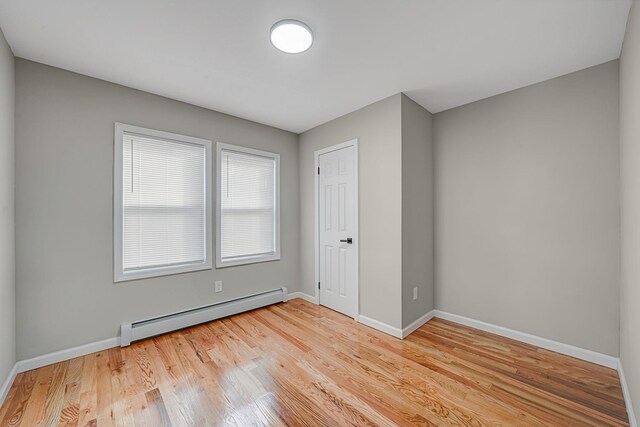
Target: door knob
{"points": [[348, 240]]}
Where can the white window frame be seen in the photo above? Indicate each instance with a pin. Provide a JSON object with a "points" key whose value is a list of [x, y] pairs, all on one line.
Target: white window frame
{"points": [[119, 274], [246, 259]]}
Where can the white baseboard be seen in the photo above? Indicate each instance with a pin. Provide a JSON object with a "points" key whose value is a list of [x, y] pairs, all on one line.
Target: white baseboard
{"points": [[633, 422], [382, 327], [373, 323], [6, 385], [417, 323], [62, 355], [306, 297], [558, 347]]}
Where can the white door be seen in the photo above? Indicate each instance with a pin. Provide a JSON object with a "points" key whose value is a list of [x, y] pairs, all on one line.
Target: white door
{"points": [[338, 248]]}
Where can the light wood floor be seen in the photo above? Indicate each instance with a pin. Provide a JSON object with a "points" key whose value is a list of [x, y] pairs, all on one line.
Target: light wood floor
{"points": [[300, 364]]}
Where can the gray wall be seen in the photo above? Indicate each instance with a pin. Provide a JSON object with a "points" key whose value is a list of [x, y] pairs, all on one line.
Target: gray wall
{"points": [[7, 209], [527, 209], [64, 192], [417, 211], [378, 128], [630, 191]]}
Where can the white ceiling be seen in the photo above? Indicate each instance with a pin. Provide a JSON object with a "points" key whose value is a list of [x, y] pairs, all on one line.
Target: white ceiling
{"points": [[217, 54]]}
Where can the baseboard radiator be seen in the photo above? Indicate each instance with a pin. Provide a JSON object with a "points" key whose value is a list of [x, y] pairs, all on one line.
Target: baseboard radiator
{"points": [[135, 331]]}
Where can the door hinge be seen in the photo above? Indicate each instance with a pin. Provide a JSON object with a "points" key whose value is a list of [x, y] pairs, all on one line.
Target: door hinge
{"points": [[318, 285], [318, 171]]}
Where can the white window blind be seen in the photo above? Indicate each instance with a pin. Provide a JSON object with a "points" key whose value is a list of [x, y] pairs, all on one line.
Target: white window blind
{"points": [[164, 204], [248, 206]]}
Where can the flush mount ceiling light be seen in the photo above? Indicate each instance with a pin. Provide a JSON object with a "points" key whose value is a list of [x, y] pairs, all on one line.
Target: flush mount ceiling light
{"points": [[291, 36]]}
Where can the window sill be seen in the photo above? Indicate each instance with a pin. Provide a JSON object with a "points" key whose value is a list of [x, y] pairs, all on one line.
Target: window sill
{"points": [[234, 262], [159, 272]]}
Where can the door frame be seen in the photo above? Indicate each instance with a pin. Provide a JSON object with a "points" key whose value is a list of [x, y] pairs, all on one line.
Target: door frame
{"points": [[356, 235]]}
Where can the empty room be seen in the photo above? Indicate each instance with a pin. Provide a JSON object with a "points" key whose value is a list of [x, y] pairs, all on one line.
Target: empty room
{"points": [[319, 213]]}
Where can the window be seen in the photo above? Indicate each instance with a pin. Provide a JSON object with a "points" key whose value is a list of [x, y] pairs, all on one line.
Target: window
{"points": [[248, 208], [162, 203]]}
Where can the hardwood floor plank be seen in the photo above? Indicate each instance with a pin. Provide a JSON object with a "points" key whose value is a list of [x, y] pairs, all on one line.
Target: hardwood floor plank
{"points": [[13, 390], [104, 411], [159, 415], [88, 391], [121, 406], [135, 387], [17, 402], [55, 395], [71, 400], [71, 406], [35, 410], [299, 364]]}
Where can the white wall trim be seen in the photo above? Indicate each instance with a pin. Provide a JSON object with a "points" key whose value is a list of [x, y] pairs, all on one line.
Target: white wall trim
{"points": [[558, 347], [382, 327], [633, 422], [393, 331], [417, 323], [62, 355], [302, 295], [8, 382]]}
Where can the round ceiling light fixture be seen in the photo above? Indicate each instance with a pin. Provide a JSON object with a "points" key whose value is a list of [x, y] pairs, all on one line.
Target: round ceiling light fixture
{"points": [[291, 36]]}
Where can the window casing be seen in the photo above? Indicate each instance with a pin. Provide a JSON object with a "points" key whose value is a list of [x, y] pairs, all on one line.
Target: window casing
{"points": [[162, 203], [248, 206]]}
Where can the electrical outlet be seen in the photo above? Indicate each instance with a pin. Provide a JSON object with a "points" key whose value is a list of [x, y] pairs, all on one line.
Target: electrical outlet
{"points": [[218, 285], [415, 293]]}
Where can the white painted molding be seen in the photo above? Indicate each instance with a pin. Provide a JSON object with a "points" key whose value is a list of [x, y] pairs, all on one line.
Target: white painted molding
{"points": [[302, 295], [633, 422], [382, 327], [558, 347], [8, 383], [393, 331], [417, 323], [62, 355]]}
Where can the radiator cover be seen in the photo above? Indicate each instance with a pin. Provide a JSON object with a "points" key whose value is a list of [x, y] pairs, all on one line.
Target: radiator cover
{"points": [[134, 331]]}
